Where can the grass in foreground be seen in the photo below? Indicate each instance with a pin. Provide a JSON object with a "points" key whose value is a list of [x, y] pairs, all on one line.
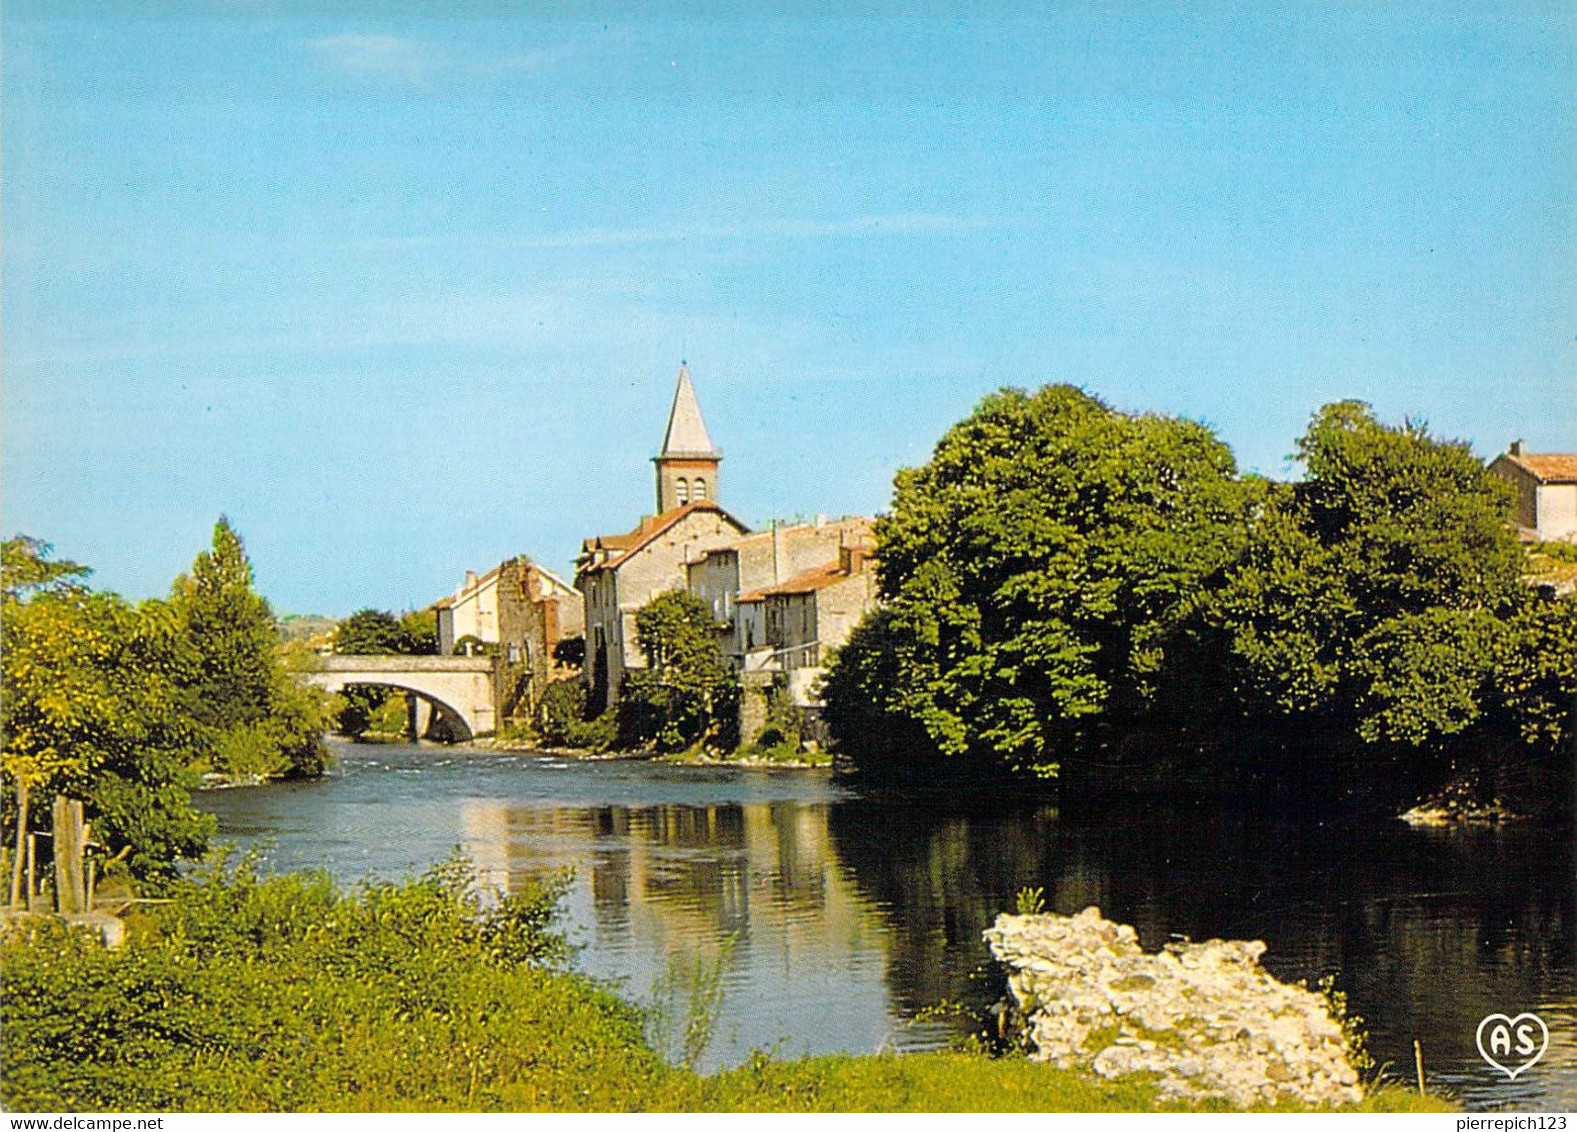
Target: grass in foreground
{"points": [[286, 994]]}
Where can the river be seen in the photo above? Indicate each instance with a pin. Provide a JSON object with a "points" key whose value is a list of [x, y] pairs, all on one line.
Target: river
{"points": [[838, 920]]}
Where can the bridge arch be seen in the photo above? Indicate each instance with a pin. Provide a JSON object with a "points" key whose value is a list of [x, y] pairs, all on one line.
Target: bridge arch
{"points": [[466, 688]]}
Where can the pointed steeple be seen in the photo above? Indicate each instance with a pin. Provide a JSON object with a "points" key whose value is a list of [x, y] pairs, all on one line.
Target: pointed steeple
{"points": [[687, 466], [686, 436]]}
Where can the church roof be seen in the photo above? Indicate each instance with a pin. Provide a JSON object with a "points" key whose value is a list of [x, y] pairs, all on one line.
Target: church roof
{"points": [[686, 435]]}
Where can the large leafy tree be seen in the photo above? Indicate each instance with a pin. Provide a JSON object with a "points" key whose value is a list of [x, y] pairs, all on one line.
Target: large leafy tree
{"points": [[1032, 572], [259, 719], [91, 707], [1373, 597], [376, 632], [686, 694]]}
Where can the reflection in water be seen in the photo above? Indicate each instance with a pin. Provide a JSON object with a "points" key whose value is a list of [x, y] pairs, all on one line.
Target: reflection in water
{"points": [[848, 916], [670, 879], [1427, 930]]}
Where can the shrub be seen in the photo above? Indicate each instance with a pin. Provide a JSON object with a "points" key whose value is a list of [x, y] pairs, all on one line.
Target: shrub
{"points": [[561, 716], [284, 993]]}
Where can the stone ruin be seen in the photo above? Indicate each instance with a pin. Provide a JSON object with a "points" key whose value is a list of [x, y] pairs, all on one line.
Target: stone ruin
{"points": [[1204, 1018]]}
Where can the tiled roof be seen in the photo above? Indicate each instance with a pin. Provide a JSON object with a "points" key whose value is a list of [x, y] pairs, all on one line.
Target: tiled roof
{"points": [[793, 531], [810, 581], [1551, 467], [628, 544]]}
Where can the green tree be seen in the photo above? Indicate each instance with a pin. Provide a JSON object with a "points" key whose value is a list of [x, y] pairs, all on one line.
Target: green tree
{"points": [[257, 717], [1536, 679], [1032, 572], [421, 632], [90, 709], [1373, 594], [377, 632], [371, 632], [686, 694]]}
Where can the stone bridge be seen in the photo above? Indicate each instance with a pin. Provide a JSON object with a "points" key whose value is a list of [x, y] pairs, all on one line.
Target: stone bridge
{"points": [[443, 690]]}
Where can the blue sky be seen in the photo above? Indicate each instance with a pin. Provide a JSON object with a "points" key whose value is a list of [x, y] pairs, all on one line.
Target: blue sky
{"points": [[404, 293]]}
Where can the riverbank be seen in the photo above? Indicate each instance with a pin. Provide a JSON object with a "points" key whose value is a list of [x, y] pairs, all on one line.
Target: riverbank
{"points": [[805, 760], [286, 994]]}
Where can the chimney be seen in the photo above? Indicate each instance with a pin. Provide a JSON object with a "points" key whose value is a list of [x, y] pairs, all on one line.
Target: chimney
{"points": [[470, 579], [851, 559], [1516, 448]]}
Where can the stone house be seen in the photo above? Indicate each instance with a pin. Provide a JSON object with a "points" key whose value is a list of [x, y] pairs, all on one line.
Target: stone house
{"points": [[1546, 487], [617, 574], [804, 618], [765, 559], [520, 610]]}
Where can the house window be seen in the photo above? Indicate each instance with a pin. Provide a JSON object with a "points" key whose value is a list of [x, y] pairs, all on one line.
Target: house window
{"points": [[700, 487], [683, 491]]}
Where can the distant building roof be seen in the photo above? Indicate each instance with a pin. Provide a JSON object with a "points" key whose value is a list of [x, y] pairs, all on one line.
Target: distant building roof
{"points": [[625, 545], [849, 523], [472, 587], [469, 588], [1548, 467], [686, 435], [840, 569]]}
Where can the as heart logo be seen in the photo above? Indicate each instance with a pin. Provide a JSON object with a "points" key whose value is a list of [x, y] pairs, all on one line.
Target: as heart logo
{"points": [[1502, 1041]]}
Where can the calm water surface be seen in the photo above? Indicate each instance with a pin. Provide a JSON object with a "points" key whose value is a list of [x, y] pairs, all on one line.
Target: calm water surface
{"points": [[841, 918]]}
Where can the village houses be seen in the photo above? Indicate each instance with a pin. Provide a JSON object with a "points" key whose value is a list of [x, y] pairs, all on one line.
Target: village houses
{"points": [[812, 579], [518, 610]]}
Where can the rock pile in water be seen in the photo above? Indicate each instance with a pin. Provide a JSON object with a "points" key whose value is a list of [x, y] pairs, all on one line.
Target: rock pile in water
{"points": [[1204, 1017]]}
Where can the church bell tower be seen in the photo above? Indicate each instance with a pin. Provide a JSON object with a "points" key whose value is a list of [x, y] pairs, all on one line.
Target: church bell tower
{"points": [[687, 466]]}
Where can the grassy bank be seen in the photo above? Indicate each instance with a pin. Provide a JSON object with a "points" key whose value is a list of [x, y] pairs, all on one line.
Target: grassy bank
{"points": [[284, 993]]}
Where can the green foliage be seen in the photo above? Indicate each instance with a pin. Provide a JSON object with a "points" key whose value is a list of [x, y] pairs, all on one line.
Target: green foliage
{"points": [[1537, 675], [92, 707], [681, 1017], [945, 1082], [26, 567], [1373, 589], [782, 730], [376, 632], [252, 993], [570, 652], [472, 645], [686, 694], [1353, 1031], [237, 688], [1031, 901], [1062, 579], [1031, 571], [1560, 551], [121, 706], [272, 994], [1424, 676], [420, 627], [562, 719]]}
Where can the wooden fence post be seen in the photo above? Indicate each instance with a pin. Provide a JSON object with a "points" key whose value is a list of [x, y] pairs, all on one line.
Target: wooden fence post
{"points": [[70, 893]]}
